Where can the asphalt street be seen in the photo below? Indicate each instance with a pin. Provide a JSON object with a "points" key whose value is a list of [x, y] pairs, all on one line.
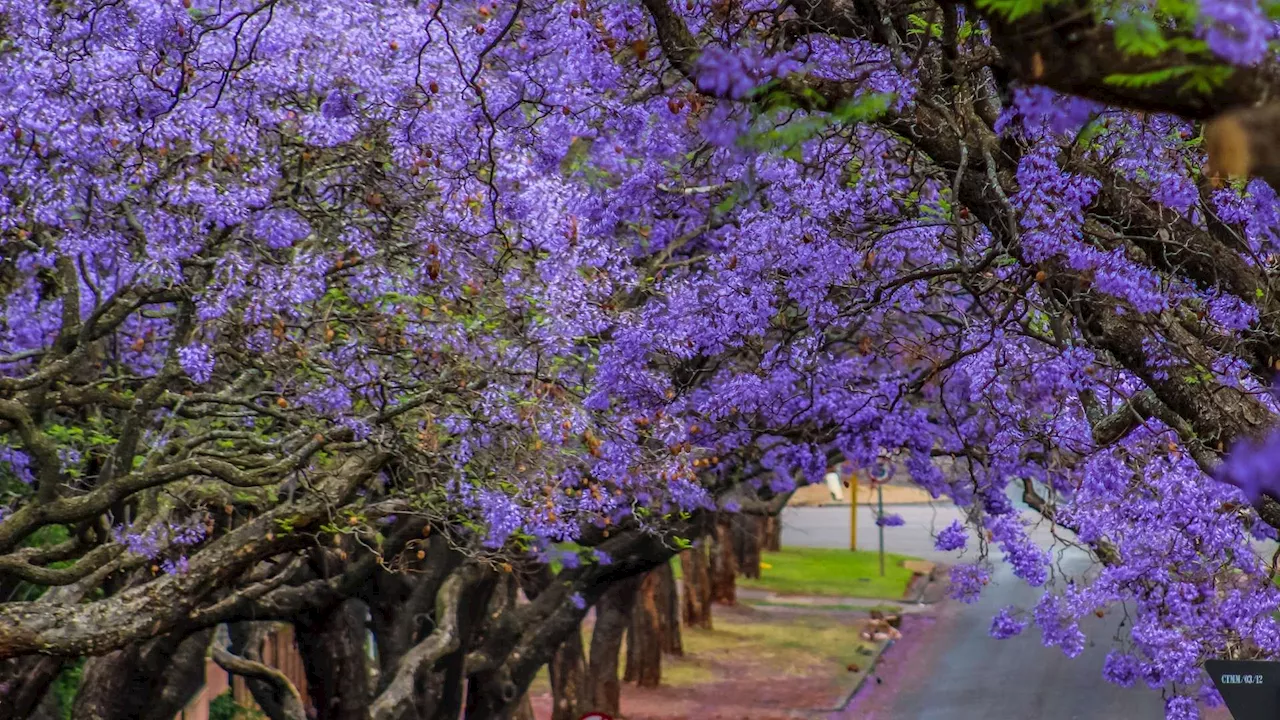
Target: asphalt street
{"points": [[948, 667]]}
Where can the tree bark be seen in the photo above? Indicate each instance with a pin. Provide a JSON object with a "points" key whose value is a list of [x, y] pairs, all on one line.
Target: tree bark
{"points": [[646, 636], [613, 613], [143, 682], [672, 642], [723, 565], [24, 682], [567, 670], [748, 535], [524, 711], [336, 662], [697, 586], [772, 541]]}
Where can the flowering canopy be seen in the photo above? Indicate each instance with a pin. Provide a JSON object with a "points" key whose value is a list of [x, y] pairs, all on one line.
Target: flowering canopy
{"points": [[275, 271]]}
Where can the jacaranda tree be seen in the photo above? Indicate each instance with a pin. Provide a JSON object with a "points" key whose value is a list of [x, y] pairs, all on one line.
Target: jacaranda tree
{"points": [[435, 320]]}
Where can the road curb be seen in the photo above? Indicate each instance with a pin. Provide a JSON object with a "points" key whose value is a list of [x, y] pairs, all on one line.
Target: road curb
{"points": [[928, 593], [871, 671]]}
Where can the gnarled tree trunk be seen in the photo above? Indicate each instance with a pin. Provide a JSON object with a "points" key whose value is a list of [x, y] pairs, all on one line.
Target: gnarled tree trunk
{"points": [[646, 636], [613, 613], [568, 670], [24, 682], [153, 681], [334, 656]]}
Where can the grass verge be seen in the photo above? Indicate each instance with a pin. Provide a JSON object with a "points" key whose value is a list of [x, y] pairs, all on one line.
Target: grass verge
{"points": [[827, 572]]}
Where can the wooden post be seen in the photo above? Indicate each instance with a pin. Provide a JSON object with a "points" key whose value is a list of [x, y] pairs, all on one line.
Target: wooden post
{"points": [[880, 503], [853, 511]]}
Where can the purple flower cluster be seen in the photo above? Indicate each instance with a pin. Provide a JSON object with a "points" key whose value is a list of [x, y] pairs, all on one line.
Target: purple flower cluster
{"points": [[735, 73], [1005, 625], [952, 537], [967, 582], [1238, 31], [890, 520], [196, 361], [18, 463], [1254, 467]]}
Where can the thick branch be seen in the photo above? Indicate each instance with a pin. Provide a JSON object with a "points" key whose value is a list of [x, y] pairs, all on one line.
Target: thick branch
{"points": [[290, 708], [442, 641]]}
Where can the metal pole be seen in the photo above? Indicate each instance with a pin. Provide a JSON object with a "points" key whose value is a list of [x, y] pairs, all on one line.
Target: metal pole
{"points": [[880, 502], [853, 511]]}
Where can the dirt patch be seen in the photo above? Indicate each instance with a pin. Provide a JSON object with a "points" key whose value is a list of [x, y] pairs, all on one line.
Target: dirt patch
{"points": [[755, 665]]}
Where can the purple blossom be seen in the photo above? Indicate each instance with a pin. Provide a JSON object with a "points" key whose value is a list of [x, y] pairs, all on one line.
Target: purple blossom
{"points": [[890, 520], [1005, 625], [281, 228], [967, 582], [196, 360], [1121, 668], [952, 537], [578, 601], [19, 464], [734, 74], [1252, 467], [1181, 707], [1237, 30], [337, 105], [178, 567]]}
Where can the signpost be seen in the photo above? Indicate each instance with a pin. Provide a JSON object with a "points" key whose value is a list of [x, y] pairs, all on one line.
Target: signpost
{"points": [[879, 476], [853, 511], [1250, 688]]}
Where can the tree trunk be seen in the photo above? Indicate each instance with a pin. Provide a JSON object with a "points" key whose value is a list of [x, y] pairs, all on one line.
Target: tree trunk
{"points": [[24, 682], [723, 567], [772, 541], [332, 645], [748, 533], [567, 670], [646, 636], [524, 711], [697, 586], [613, 613], [143, 682], [672, 643]]}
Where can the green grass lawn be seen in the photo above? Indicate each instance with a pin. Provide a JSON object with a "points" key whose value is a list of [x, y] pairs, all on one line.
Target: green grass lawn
{"points": [[819, 571]]}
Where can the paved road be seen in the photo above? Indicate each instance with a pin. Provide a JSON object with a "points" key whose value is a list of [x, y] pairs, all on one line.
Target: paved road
{"points": [[948, 668]]}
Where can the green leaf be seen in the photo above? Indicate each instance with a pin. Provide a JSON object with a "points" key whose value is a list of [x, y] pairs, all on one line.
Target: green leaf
{"points": [[1012, 9], [1140, 36], [1147, 79]]}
